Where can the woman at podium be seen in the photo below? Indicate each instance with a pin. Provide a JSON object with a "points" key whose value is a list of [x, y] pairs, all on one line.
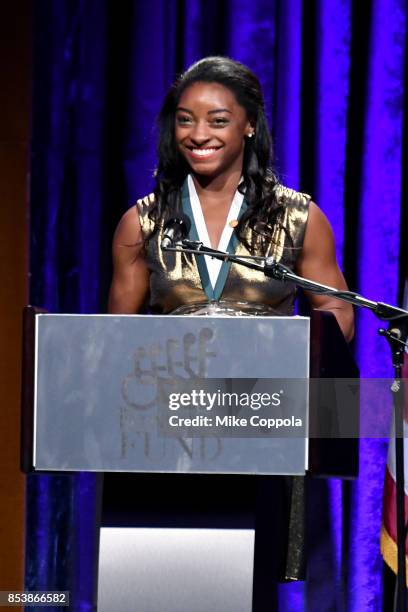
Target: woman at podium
{"points": [[215, 167]]}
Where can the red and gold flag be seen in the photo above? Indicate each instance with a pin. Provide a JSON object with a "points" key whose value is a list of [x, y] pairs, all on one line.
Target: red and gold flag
{"points": [[389, 523]]}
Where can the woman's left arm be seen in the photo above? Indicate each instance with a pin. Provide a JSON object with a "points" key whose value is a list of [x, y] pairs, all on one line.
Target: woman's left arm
{"points": [[318, 262]]}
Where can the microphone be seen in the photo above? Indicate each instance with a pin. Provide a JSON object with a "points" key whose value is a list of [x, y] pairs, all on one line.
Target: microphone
{"points": [[175, 229]]}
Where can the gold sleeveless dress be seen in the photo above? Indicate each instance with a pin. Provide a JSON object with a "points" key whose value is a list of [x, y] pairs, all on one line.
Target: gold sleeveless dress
{"points": [[175, 277], [175, 281]]}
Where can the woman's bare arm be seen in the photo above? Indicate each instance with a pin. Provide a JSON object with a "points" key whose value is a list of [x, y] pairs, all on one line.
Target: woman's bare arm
{"points": [[130, 282], [318, 262]]}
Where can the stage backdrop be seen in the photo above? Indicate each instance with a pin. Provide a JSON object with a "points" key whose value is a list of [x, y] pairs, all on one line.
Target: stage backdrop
{"points": [[336, 97]]}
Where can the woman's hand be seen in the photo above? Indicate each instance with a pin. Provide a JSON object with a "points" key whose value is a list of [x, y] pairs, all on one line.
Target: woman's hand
{"points": [[130, 282], [318, 263]]}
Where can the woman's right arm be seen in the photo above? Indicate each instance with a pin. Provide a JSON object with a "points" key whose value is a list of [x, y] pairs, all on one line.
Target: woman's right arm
{"points": [[130, 282]]}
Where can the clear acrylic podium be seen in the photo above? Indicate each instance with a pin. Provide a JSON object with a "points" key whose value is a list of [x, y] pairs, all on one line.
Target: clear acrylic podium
{"points": [[98, 392]]}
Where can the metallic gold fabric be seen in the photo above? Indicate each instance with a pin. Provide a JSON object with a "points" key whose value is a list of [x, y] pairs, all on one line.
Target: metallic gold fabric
{"points": [[175, 280], [295, 559]]}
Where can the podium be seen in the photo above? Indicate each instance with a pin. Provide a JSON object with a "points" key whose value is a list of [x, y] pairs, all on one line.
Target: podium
{"points": [[96, 398]]}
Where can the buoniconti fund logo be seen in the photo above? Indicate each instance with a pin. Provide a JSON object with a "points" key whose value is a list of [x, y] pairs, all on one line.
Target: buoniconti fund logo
{"points": [[170, 405], [156, 366]]}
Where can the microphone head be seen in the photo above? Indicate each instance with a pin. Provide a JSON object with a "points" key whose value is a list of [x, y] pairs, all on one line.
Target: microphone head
{"points": [[180, 226], [175, 229]]}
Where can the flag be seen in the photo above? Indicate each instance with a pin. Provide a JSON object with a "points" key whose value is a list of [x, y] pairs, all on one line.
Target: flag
{"points": [[389, 522]]}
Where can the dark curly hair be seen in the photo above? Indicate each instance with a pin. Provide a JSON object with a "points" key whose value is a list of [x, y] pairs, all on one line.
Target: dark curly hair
{"points": [[259, 180]]}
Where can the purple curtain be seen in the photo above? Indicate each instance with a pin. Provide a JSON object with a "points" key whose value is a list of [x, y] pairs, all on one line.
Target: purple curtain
{"points": [[334, 76]]}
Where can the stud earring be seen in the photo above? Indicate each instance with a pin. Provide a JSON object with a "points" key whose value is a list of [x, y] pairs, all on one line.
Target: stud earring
{"points": [[251, 134]]}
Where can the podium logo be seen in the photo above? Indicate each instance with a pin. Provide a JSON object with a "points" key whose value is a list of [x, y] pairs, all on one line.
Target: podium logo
{"points": [[173, 360], [167, 363]]}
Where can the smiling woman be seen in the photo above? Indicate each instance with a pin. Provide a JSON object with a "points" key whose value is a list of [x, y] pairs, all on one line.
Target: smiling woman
{"points": [[214, 164]]}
